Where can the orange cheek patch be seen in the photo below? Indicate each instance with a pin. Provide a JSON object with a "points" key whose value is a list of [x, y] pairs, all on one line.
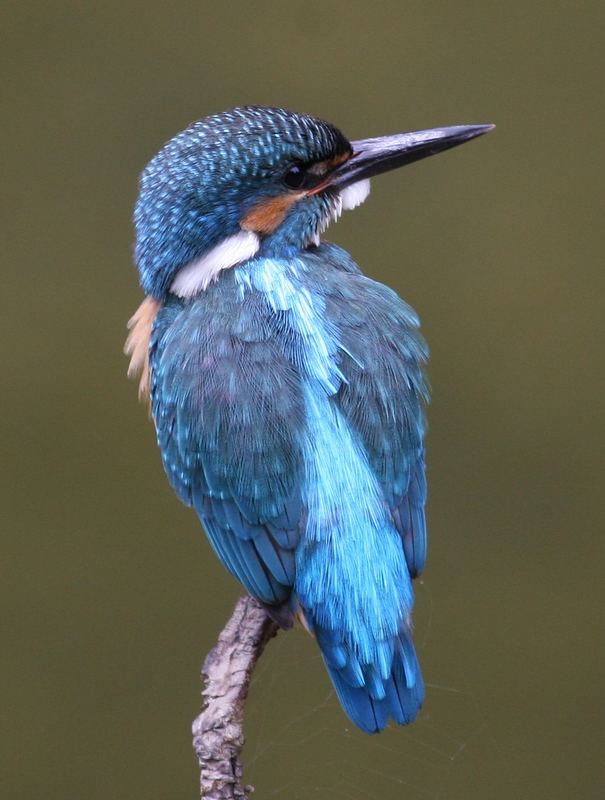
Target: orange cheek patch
{"points": [[269, 214]]}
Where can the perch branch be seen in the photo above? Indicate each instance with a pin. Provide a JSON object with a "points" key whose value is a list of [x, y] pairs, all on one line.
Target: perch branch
{"points": [[218, 736]]}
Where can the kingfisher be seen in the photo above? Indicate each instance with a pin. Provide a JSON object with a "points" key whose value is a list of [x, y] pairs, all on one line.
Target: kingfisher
{"points": [[287, 388]]}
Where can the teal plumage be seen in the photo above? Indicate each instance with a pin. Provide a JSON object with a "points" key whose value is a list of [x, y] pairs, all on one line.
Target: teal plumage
{"points": [[243, 378], [287, 388]]}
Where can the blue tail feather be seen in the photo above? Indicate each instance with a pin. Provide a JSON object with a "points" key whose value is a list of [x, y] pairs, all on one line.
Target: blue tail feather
{"points": [[372, 703]]}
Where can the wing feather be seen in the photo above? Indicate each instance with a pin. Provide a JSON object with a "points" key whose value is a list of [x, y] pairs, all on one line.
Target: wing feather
{"points": [[226, 404]]}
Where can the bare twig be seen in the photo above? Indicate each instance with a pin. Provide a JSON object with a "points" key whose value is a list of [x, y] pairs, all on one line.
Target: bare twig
{"points": [[218, 736]]}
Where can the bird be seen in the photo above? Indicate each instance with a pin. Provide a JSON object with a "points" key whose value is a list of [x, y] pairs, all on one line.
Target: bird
{"points": [[287, 389]]}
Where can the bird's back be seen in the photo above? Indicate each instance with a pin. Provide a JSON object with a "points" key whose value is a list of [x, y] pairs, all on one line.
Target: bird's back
{"points": [[288, 404]]}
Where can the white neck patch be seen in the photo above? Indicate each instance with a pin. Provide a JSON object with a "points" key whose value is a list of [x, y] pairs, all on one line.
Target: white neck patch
{"points": [[196, 276], [199, 274], [355, 194]]}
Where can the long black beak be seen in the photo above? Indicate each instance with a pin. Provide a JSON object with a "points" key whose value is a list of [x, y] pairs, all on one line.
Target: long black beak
{"points": [[373, 156]]}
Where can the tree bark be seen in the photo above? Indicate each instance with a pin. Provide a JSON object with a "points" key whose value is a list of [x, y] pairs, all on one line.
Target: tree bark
{"points": [[218, 736]]}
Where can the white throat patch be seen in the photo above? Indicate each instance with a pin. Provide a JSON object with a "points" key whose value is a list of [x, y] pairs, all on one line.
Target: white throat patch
{"points": [[355, 194], [199, 274], [347, 199]]}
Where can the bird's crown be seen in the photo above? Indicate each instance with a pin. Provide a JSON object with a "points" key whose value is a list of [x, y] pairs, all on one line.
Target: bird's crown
{"points": [[233, 177]]}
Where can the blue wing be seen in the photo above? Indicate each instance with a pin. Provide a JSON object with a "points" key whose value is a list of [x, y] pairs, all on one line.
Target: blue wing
{"points": [[226, 404]]}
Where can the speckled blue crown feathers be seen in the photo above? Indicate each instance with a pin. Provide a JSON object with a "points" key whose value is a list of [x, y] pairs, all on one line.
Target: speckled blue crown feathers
{"points": [[194, 192]]}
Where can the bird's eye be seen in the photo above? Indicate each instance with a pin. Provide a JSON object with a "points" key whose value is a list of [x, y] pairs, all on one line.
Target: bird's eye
{"points": [[294, 177]]}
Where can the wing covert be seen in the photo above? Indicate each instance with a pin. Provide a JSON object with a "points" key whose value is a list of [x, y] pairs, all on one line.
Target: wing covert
{"points": [[227, 404]]}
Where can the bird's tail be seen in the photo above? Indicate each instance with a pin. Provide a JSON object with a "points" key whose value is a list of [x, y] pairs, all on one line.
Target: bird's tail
{"points": [[390, 687]]}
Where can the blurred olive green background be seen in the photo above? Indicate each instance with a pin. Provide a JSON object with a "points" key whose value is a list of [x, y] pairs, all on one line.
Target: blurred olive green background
{"points": [[110, 594]]}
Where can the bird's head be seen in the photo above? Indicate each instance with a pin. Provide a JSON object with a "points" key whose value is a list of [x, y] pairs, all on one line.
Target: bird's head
{"points": [[256, 180]]}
